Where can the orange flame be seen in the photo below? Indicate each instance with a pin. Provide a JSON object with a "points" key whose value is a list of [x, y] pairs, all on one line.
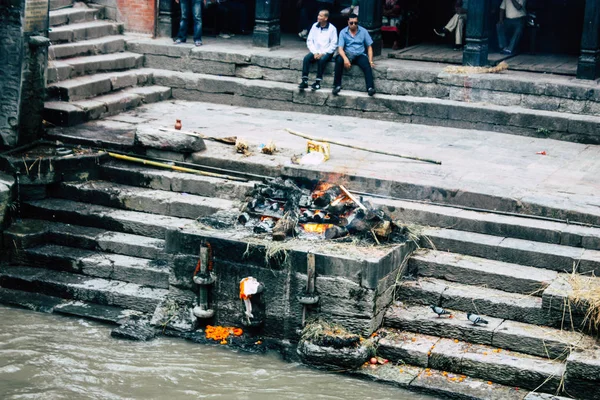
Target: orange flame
{"points": [[312, 227]]}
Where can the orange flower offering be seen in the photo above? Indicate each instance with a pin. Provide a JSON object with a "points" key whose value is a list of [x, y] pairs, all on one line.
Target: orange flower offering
{"points": [[221, 333]]}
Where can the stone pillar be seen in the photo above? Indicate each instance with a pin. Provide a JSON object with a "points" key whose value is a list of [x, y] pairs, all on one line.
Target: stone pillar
{"points": [[371, 13], [164, 24], [588, 66], [24, 58], [267, 32], [476, 46]]}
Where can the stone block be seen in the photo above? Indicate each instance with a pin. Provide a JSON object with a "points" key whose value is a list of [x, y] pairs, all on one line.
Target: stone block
{"points": [[572, 106], [585, 364], [271, 61], [495, 303], [169, 141], [422, 319], [421, 292], [463, 387], [281, 75], [411, 75], [446, 355], [536, 340], [270, 92], [220, 56], [212, 67], [318, 98], [516, 370], [406, 348], [123, 81], [249, 72]]}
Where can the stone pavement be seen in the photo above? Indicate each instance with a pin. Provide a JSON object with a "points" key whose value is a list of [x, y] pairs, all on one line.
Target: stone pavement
{"points": [[480, 169]]}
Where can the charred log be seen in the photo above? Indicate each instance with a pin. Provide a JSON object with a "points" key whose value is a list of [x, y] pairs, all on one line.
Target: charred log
{"points": [[336, 232]]}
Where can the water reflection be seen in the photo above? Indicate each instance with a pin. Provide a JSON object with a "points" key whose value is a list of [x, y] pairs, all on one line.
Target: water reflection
{"points": [[52, 357]]}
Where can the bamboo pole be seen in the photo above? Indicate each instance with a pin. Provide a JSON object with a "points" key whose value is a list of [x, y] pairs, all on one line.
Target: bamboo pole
{"points": [[175, 167], [362, 148]]}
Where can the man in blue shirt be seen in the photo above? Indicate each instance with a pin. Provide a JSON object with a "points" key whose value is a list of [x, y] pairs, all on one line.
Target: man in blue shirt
{"points": [[354, 46]]}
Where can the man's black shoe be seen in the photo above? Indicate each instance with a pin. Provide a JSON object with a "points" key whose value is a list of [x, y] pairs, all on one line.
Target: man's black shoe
{"points": [[371, 91], [303, 85], [336, 90], [316, 85]]}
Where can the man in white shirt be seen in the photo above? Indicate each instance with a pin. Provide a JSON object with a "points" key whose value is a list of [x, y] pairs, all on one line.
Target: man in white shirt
{"points": [[512, 20], [321, 42]]}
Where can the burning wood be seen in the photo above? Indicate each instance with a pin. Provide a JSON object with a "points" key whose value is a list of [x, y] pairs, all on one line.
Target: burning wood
{"points": [[283, 209]]}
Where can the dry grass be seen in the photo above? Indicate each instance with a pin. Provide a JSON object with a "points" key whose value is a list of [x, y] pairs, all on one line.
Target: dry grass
{"points": [[585, 294], [476, 70]]}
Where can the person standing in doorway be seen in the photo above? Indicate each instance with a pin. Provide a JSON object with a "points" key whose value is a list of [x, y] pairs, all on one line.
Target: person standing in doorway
{"points": [[195, 8], [355, 47], [321, 42], [512, 21], [456, 24]]}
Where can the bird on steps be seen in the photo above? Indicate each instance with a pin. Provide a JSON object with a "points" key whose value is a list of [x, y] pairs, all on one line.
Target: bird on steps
{"points": [[439, 311], [476, 319]]}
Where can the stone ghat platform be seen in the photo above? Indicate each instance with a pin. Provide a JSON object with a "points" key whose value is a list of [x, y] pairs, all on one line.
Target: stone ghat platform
{"points": [[355, 282], [483, 170], [233, 72]]}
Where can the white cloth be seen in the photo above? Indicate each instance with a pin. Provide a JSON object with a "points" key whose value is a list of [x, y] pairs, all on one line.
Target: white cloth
{"points": [[322, 41], [510, 9]]}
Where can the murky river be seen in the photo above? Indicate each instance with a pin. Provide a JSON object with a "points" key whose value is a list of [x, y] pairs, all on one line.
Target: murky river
{"points": [[47, 357]]}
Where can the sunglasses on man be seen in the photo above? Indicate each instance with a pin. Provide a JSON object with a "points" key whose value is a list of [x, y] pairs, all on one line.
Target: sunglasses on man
{"points": [[352, 23]]}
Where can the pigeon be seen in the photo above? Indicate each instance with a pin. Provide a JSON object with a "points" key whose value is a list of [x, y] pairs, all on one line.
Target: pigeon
{"points": [[439, 311], [476, 319]]}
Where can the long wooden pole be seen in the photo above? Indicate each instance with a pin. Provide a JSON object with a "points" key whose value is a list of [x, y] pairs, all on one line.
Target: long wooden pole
{"points": [[362, 148], [175, 167]]}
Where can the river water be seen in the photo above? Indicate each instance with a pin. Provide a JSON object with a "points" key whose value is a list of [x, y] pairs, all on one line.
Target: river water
{"points": [[46, 356]]}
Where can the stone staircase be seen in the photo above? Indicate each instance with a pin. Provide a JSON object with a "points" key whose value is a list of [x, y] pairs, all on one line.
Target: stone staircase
{"points": [[90, 74], [514, 272], [96, 248], [423, 93]]}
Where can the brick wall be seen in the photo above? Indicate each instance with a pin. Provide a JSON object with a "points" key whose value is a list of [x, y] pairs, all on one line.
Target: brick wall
{"points": [[138, 15]]}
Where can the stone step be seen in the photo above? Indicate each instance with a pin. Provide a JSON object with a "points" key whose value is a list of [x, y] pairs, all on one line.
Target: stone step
{"points": [[103, 45], [134, 222], [96, 312], [477, 271], [508, 97], [62, 113], [31, 301], [79, 66], [475, 299], [473, 360], [443, 383], [80, 287], [85, 87], [34, 232], [519, 227], [524, 252], [174, 204], [84, 31], [144, 272], [133, 175], [530, 339], [73, 15], [407, 109], [58, 4]]}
